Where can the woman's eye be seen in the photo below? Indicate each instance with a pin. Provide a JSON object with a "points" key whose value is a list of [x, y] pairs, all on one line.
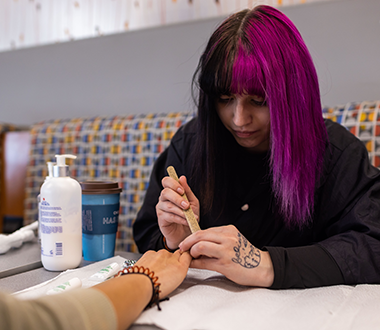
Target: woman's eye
{"points": [[225, 99], [258, 100]]}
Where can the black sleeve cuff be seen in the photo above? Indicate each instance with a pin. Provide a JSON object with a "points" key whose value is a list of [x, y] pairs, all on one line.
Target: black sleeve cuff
{"points": [[157, 241], [303, 267]]}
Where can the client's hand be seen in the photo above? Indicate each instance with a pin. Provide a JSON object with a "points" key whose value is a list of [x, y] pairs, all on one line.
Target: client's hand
{"points": [[170, 268]]}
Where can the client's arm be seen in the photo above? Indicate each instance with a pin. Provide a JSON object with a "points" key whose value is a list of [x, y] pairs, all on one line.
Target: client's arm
{"points": [[133, 292], [113, 304]]}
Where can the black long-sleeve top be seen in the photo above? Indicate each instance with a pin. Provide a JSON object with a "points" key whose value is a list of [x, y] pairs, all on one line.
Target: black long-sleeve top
{"points": [[341, 245]]}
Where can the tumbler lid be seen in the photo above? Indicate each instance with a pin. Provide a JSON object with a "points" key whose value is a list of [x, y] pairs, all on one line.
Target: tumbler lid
{"points": [[100, 187]]}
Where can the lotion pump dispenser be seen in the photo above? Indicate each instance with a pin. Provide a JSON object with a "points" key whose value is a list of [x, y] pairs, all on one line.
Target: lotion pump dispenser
{"points": [[61, 219]]}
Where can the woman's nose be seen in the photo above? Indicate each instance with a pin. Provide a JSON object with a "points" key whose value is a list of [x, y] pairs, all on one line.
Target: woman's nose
{"points": [[242, 116]]}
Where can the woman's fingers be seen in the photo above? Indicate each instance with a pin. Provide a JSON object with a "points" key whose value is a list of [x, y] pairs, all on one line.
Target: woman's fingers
{"points": [[184, 258], [170, 210], [206, 263], [216, 235], [189, 193], [168, 182], [209, 249], [172, 213], [171, 204], [168, 194]]}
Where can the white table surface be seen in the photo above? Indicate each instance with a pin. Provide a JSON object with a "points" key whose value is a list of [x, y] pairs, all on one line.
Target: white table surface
{"points": [[210, 301]]}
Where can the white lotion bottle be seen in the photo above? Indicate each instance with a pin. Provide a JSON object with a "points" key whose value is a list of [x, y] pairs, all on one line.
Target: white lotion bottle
{"points": [[61, 219], [49, 176]]}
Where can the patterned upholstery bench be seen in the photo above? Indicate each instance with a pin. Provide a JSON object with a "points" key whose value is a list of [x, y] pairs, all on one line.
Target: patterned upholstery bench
{"points": [[124, 148], [121, 148], [363, 120]]}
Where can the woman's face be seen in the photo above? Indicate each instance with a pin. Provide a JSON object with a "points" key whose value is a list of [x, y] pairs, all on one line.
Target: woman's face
{"points": [[247, 118]]}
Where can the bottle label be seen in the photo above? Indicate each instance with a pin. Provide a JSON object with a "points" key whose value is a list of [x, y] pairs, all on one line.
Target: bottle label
{"points": [[52, 250], [100, 219], [51, 218]]}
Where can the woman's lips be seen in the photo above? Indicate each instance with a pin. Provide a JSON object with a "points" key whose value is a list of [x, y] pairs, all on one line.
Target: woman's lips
{"points": [[244, 134]]}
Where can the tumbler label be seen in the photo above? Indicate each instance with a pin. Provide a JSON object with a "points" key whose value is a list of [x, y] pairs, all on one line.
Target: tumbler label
{"points": [[100, 219]]}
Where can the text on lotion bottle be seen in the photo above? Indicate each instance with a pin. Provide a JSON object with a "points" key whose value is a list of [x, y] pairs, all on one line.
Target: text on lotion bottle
{"points": [[61, 219]]}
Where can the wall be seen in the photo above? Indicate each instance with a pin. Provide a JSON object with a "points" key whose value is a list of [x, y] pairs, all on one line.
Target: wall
{"points": [[344, 40], [34, 23], [151, 70]]}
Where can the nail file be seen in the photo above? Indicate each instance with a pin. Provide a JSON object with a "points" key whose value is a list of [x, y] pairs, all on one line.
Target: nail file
{"points": [[189, 214]]}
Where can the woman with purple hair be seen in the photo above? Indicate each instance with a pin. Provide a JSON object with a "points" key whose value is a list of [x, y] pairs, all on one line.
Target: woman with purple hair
{"points": [[284, 198]]}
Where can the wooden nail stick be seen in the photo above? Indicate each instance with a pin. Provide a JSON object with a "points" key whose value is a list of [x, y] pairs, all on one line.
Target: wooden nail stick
{"points": [[189, 214]]}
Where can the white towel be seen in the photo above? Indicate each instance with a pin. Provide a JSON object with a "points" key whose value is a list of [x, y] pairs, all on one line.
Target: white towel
{"points": [[83, 274], [17, 238], [208, 300]]}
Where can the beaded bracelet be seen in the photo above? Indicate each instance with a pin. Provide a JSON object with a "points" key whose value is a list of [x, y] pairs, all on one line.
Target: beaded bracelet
{"points": [[154, 279]]}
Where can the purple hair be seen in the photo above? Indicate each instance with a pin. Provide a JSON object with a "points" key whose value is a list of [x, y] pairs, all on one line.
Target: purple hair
{"points": [[261, 52]]}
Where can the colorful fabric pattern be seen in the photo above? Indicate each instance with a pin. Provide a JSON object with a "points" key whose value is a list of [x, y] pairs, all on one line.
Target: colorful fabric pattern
{"points": [[120, 148], [363, 120]]}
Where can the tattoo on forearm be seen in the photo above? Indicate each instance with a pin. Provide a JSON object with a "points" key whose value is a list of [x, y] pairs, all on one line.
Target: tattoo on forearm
{"points": [[246, 254]]}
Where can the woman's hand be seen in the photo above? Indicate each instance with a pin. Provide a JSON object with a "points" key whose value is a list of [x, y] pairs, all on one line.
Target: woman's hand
{"points": [[170, 207], [170, 268], [227, 251]]}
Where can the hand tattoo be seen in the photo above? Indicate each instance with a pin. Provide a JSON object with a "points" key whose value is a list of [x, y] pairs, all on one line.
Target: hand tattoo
{"points": [[246, 254]]}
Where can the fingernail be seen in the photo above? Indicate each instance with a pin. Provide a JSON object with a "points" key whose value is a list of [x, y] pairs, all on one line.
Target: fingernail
{"points": [[184, 204], [180, 191]]}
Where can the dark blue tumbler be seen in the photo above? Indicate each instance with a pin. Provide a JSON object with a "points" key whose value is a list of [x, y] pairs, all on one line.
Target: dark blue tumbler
{"points": [[100, 217]]}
